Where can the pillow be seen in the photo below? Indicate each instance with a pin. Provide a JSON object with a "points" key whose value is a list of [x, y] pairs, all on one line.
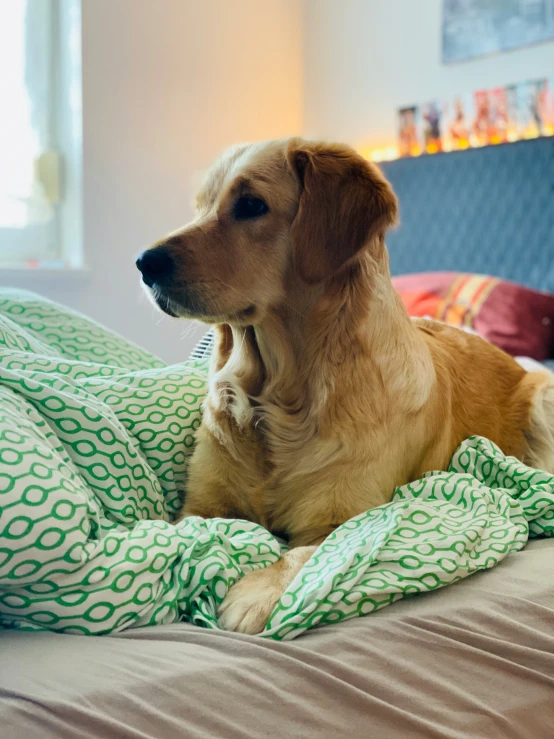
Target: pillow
{"points": [[514, 318]]}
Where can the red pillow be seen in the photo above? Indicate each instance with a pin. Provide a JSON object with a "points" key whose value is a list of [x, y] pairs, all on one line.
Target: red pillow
{"points": [[513, 317]]}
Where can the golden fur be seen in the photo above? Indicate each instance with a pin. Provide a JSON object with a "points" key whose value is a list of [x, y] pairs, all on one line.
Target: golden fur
{"points": [[324, 395]]}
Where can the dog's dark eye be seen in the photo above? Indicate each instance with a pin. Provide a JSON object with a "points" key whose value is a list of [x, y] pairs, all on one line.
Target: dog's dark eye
{"points": [[249, 207]]}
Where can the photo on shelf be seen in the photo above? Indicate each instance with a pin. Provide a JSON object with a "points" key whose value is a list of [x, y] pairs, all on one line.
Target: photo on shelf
{"points": [[531, 109], [409, 143], [458, 119], [480, 128], [512, 112], [523, 110], [547, 102], [431, 118], [498, 116]]}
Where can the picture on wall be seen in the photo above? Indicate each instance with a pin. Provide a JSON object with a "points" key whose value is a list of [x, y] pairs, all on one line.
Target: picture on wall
{"points": [[473, 28]]}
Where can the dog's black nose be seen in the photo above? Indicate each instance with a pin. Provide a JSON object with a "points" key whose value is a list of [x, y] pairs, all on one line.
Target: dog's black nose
{"points": [[155, 264]]}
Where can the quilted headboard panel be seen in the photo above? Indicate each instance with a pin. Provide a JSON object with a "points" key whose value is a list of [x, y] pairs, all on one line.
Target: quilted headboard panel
{"points": [[487, 210]]}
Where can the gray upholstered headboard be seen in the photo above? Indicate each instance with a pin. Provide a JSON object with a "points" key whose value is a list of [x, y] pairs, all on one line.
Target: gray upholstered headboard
{"points": [[488, 210]]}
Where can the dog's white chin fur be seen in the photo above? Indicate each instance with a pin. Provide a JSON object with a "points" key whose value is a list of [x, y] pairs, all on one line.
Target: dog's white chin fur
{"points": [[233, 319]]}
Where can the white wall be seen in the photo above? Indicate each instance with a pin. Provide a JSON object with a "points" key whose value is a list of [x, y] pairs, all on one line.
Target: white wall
{"points": [[166, 85], [363, 59]]}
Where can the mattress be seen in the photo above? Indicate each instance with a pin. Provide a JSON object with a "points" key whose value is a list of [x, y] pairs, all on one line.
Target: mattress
{"points": [[475, 659]]}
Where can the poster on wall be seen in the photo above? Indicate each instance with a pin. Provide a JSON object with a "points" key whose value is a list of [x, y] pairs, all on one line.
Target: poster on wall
{"points": [[473, 28]]}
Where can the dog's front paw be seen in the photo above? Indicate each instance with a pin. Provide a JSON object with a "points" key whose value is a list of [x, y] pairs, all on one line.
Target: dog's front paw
{"points": [[250, 602], [248, 605]]}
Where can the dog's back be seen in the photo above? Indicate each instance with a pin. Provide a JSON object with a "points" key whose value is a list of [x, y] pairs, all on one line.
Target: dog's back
{"points": [[491, 395]]}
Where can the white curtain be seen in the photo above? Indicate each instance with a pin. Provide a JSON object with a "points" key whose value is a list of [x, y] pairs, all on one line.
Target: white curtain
{"points": [[26, 109]]}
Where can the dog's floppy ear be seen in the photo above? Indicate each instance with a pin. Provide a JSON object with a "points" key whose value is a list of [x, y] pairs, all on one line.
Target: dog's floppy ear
{"points": [[345, 203]]}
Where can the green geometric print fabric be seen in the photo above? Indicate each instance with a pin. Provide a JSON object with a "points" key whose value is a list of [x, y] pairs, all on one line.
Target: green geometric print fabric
{"points": [[435, 531], [95, 436]]}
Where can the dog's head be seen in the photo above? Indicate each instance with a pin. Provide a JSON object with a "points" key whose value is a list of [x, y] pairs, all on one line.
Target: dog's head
{"points": [[268, 211]]}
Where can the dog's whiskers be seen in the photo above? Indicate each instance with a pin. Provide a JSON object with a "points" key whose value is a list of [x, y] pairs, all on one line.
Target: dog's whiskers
{"points": [[189, 331]]}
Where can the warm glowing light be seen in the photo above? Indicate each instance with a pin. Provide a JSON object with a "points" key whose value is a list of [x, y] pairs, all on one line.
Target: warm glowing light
{"points": [[383, 154], [388, 152]]}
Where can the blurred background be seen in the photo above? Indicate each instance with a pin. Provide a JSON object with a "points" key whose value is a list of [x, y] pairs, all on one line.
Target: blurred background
{"points": [[112, 109]]}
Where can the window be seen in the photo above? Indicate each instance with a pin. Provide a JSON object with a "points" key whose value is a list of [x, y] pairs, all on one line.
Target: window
{"points": [[39, 133]]}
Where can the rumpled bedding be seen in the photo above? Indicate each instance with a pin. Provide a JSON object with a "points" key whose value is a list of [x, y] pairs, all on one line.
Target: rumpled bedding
{"points": [[95, 436]]}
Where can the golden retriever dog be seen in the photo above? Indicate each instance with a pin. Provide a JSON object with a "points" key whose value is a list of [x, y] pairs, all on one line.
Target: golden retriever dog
{"points": [[324, 395]]}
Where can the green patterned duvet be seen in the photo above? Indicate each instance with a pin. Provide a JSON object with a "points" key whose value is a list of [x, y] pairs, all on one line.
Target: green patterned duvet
{"points": [[95, 435]]}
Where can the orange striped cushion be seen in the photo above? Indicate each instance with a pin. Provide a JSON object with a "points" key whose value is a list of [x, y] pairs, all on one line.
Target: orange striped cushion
{"points": [[515, 318]]}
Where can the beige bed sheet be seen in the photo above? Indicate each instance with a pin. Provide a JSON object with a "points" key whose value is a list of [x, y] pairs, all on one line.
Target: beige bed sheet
{"points": [[473, 660]]}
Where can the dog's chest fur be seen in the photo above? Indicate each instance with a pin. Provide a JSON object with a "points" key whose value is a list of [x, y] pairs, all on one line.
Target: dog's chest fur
{"points": [[278, 465], [245, 424]]}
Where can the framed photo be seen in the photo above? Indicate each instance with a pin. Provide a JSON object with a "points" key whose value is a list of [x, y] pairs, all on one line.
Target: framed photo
{"points": [[548, 106], [409, 141], [480, 130], [531, 108], [512, 112], [458, 121], [498, 117], [431, 124]]}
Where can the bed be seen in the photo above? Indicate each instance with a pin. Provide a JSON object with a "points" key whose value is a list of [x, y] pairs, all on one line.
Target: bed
{"points": [[472, 660], [475, 660]]}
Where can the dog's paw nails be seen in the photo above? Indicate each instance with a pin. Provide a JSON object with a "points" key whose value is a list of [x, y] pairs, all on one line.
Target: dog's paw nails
{"points": [[248, 605]]}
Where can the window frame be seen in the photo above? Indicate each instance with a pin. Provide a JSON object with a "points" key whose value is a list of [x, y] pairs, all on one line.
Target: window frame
{"points": [[59, 243]]}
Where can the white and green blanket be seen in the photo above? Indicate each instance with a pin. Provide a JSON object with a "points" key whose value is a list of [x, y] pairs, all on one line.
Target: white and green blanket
{"points": [[95, 435]]}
